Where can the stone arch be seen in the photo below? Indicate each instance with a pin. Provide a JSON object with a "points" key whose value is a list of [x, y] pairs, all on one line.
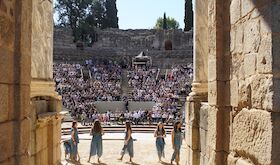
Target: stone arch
{"points": [[168, 45]]}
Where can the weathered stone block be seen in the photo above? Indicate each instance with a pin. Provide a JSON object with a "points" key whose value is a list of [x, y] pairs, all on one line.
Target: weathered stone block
{"points": [[32, 146], [188, 135], [41, 106], [252, 135], [10, 161], [264, 57], [188, 155], [202, 141], [243, 162], [41, 138], [218, 69], [235, 11], [192, 114], [212, 70], [217, 158], [252, 36], [4, 102], [194, 157], [18, 95], [25, 103], [7, 31], [7, 67], [42, 157], [214, 135], [244, 94], [42, 40], [219, 93], [194, 138], [234, 93], [32, 160], [203, 159], [262, 93], [203, 116], [6, 144], [237, 67], [213, 93], [24, 159], [250, 64], [239, 38], [231, 160], [24, 136]]}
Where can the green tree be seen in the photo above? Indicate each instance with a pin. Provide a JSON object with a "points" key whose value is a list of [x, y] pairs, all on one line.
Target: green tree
{"points": [[98, 13], [170, 23], [164, 26], [188, 15], [76, 14], [83, 16], [111, 14]]}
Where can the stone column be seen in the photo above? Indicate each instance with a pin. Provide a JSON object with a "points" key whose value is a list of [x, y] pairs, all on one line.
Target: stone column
{"points": [[218, 82], [46, 103], [200, 57], [200, 83], [15, 49]]}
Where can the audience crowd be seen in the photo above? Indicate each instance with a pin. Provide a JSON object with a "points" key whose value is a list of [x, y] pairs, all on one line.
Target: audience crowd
{"points": [[136, 117], [79, 93], [82, 85]]}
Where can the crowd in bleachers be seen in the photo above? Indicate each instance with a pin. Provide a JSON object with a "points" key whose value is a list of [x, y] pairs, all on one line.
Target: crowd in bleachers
{"points": [[148, 86], [79, 93], [103, 83], [136, 117]]}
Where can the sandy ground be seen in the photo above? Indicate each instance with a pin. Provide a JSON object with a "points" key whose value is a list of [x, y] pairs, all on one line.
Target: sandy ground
{"points": [[144, 150]]}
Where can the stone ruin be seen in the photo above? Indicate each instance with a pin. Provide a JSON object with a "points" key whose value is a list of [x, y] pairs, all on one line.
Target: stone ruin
{"points": [[30, 119], [233, 112], [232, 115], [118, 45]]}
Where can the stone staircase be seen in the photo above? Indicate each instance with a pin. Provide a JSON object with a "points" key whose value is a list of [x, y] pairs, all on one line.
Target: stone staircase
{"points": [[125, 87]]}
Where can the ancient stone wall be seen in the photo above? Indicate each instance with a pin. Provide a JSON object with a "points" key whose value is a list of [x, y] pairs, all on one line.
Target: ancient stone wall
{"points": [[153, 39], [45, 102], [27, 134], [15, 46], [42, 40], [254, 81], [115, 44], [243, 119]]}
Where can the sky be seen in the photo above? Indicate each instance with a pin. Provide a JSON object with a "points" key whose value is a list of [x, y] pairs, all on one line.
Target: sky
{"points": [[142, 14]]}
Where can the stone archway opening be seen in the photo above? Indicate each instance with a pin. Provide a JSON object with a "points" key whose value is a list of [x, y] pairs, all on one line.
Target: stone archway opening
{"points": [[168, 45]]}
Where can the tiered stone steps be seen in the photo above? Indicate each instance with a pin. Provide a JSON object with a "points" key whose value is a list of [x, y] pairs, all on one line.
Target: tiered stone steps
{"points": [[120, 128], [125, 88]]}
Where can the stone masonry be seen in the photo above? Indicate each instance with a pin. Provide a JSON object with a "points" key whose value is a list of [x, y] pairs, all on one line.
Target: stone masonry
{"points": [[29, 106], [119, 45], [242, 120]]}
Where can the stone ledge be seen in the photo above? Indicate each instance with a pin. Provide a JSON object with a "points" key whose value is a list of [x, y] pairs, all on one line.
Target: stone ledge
{"points": [[45, 117], [43, 88]]}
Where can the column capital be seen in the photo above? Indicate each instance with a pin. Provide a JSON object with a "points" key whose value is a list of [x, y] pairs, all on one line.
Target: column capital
{"points": [[199, 91]]}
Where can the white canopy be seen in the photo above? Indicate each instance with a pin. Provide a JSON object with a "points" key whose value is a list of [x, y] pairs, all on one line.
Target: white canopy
{"points": [[142, 56]]}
